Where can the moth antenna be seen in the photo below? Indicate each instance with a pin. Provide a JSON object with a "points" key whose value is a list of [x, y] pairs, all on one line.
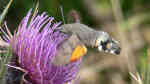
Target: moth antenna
{"points": [[62, 14]]}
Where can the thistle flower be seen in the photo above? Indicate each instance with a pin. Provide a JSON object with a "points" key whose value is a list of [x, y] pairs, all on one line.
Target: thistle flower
{"points": [[35, 45]]}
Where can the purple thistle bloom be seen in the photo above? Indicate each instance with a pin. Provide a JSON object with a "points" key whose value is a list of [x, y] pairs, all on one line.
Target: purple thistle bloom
{"points": [[35, 44]]}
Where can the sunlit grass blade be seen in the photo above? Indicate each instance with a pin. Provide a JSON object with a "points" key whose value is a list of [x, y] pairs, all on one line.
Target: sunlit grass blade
{"points": [[137, 77], [144, 76]]}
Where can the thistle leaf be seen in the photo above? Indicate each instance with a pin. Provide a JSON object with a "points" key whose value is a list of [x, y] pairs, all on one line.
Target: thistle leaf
{"points": [[2, 16]]}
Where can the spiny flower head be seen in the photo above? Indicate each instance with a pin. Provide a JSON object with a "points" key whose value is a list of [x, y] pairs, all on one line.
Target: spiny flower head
{"points": [[35, 44]]}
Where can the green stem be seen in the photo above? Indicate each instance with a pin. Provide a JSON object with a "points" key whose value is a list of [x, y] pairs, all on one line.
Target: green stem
{"points": [[3, 67]]}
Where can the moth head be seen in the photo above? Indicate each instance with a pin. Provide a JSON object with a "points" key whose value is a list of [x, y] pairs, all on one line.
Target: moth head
{"points": [[107, 44]]}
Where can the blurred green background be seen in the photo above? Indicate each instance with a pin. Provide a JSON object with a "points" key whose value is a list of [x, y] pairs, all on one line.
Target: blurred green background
{"points": [[126, 20], [20, 7]]}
